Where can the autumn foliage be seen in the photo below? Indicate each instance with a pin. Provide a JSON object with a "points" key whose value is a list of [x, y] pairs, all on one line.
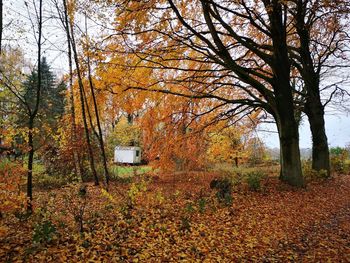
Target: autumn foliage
{"points": [[179, 219], [12, 177], [190, 83]]}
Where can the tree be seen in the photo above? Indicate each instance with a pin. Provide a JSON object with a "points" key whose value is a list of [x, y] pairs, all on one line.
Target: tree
{"points": [[321, 28], [32, 113], [125, 133], [97, 115], [71, 40], [63, 15], [229, 144], [52, 99], [12, 65], [245, 67], [29, 95]]}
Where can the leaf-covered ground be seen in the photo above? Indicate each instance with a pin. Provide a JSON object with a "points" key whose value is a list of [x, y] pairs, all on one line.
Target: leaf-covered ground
{"points": [[176, 218]]}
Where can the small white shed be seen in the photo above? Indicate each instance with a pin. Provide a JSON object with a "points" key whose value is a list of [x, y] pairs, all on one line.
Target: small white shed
{"points": [[127, 154]]}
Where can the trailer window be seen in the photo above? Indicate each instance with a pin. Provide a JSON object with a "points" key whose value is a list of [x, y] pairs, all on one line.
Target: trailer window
{"points": [[137, 153]]}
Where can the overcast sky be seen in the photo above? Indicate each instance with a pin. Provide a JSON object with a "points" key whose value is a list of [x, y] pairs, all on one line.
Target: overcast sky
{"points": [[337, 128]]}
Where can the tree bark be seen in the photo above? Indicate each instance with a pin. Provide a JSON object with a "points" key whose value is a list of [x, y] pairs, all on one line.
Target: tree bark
{"points": [[100, 135], [30, 165], [76, 155], [284, 107], [1, 27], [92, 90], [320, 150], [313, 107], [32, 114], [93, 130], [290, 154], [81, 93], [288, 130]]}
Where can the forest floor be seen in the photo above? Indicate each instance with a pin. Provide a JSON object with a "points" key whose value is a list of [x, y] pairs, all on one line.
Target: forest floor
{"points": [[177, 218]]}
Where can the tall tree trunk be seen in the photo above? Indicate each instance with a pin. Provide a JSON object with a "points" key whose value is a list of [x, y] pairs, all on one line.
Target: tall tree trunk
{"points": [[76, 155], [284, 104], [92, 126], [290, 154], [92, 90], [30, 165], [313, 107], [320, 150], [32, 114], [81, 93], [288, 130], [100, 135]]}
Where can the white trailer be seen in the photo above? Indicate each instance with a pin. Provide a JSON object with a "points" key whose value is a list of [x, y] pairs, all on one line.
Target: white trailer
{"points": [[127, 154]]}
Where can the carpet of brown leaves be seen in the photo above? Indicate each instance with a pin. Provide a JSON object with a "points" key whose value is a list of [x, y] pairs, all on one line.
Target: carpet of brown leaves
{"points": [[176, 218]]}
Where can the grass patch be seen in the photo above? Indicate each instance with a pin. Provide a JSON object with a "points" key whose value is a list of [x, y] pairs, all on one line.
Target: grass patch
{"points": [[124, 174], [38, 167], [252, 178], [125, 171], [227, 169]]}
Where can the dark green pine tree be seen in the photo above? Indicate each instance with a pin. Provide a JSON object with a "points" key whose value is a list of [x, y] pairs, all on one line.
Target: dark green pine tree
{"points": [[52, 102]]}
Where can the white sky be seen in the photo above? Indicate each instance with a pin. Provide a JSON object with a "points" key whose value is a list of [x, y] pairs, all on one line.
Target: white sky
{"points": [[337, 129], [18, 31]]}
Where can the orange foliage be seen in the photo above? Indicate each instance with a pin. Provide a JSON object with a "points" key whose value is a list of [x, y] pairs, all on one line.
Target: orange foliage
{"points": [[12, 176]]}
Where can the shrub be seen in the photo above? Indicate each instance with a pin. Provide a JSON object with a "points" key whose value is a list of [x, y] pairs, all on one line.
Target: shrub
{"points": [[339, 160], [201, 205], [338, 151], [44, 232], [185, 225], [340, 165], [254, 179], [45, 181], [189, 208], [311, 174], [135, 190], [76, 200], [224, 190]]}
